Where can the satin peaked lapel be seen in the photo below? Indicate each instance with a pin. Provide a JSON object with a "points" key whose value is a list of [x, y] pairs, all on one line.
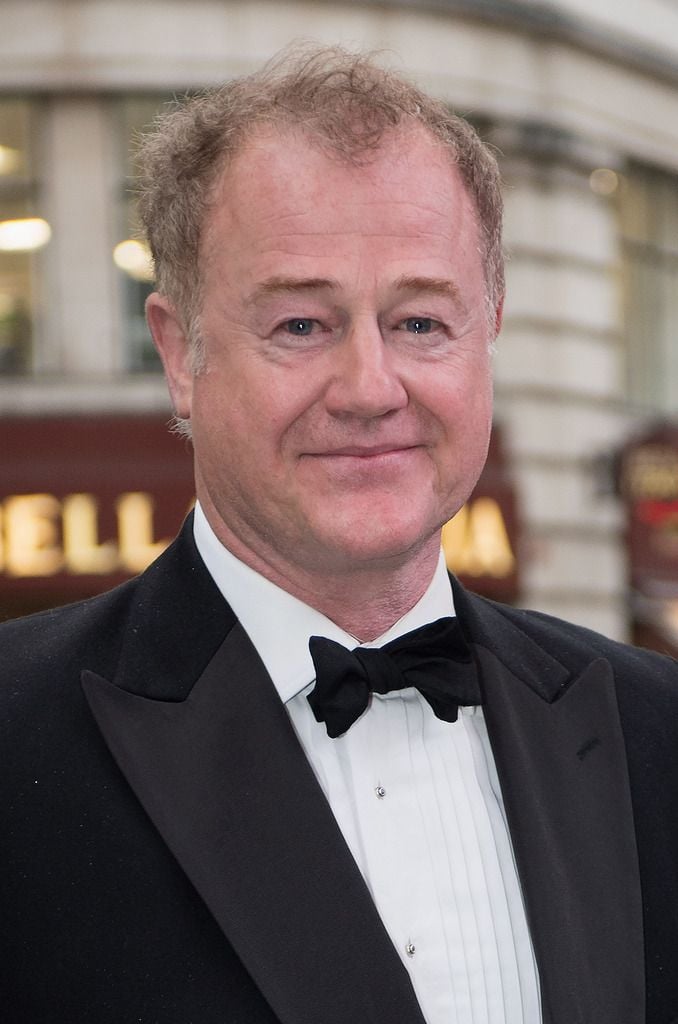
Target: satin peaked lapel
{"points": [[560, 757], [223, 778]]}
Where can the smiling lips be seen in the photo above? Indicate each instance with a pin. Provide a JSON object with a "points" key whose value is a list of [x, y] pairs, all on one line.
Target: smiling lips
{"points": [[357, 457], [361, 451]]}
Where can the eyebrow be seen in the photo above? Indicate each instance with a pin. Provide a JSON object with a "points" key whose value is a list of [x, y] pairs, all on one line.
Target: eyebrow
{"points": [[290, 285], [407, 283], [435, 285]]}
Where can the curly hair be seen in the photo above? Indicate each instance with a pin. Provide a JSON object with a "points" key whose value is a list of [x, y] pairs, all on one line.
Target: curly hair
{"points": [[344, 102]]}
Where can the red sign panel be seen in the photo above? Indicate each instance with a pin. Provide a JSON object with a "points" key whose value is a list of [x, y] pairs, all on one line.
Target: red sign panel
{"points": [[648, 482], [649, 486]]}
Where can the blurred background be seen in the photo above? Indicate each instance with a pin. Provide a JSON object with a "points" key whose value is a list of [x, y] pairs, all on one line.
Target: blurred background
{"points": [[577, 513]]}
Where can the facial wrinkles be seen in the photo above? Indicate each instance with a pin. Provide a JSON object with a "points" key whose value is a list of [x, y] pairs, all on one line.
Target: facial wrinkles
{"points": [[369, 214], [365, 263], [296, 238], [313, 434], [283, 205]]}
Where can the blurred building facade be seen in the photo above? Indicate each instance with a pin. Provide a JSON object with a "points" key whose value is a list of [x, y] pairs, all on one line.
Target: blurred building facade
{"points": [[581, 102]]}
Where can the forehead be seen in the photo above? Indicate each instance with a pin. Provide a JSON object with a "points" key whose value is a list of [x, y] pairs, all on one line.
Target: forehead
{"points": [[284, 192], [289, 164]]}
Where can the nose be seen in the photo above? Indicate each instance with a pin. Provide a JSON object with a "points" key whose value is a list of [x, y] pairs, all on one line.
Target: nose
{"points": [[364, 380]]}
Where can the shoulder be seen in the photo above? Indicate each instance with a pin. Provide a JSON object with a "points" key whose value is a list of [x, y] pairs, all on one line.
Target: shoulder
{"points": [[569, 641], [91, 632], [41, 651], [45, 634], [573, 644], [155, 631], [525, 637], [646, 682]]}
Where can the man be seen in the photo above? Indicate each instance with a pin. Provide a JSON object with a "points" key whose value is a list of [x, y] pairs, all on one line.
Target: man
{"points": [[200, 832]]}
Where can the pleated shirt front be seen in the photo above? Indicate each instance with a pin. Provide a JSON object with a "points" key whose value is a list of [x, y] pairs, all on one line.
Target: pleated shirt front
{"points": [[418, 802]]}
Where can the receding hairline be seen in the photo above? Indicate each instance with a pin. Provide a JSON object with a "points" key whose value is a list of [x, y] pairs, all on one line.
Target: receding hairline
{"points": [[268, 134], [344, 103]]}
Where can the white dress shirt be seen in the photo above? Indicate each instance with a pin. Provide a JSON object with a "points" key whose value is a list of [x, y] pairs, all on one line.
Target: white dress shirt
{"points": [[418, 802]]}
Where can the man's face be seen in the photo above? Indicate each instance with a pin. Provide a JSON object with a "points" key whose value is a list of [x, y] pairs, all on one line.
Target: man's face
{"points": [[344, 411]]}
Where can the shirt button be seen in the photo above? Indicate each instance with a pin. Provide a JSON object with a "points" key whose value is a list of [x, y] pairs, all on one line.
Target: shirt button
{"points": [[410, 949], [381, 792]]}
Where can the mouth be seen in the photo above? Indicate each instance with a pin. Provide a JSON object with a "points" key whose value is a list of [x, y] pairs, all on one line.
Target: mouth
{"points": [[367, 459], [365, 451]]}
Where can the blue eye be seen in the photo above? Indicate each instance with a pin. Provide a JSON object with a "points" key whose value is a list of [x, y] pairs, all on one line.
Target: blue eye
{"points": [[301, 326], [419, 324]]}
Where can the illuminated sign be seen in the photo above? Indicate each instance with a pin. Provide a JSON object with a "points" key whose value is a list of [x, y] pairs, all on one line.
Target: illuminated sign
{"points": [[85, 503], [648, 483], [476, 541], [41, 535], [650, 472]]}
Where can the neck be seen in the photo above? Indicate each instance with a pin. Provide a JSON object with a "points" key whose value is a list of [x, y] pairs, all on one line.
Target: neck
{"points": [[362, 599], [366, 603]]}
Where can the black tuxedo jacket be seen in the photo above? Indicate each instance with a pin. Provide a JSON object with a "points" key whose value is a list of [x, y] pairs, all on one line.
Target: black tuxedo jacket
{"points": [[168, 857]]}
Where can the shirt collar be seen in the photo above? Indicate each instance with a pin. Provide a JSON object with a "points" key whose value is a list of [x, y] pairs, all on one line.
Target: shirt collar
{"points": [[280, 625]]}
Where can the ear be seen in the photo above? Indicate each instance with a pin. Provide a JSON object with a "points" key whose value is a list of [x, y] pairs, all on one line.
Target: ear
{"points": [[170, 340]]}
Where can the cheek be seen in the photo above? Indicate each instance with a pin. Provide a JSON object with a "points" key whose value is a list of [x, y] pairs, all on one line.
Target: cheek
{"points": [[463, 399], [242, 436], [465, 414]]}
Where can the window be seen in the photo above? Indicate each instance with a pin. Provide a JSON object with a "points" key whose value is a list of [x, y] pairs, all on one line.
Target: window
{"points": [[649, 224], [23, 232], [133, 114]]}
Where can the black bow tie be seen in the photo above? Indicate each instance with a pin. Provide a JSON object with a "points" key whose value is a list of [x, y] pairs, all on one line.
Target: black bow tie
{"points": [[433, 658]]}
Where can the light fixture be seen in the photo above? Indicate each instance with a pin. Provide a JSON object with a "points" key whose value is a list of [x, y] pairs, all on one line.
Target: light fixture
{"points": [[604, 181], [134, 258], [10, 160], [24, 235]]}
